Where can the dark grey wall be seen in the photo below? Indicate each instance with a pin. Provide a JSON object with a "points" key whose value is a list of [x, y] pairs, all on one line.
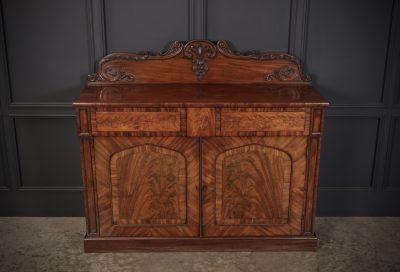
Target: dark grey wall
{"points": [[351, 47]]}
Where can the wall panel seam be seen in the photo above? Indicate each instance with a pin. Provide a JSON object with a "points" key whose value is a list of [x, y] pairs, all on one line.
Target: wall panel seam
{"points": [[386, 83], [90, 34], [6, 94], [204, 15], [389, 91], [9, 160], [298, 28], [191, 19]]}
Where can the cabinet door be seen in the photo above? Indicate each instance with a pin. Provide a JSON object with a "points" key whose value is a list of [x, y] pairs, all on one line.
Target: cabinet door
{"points": [[253, 186], [147, 186]]}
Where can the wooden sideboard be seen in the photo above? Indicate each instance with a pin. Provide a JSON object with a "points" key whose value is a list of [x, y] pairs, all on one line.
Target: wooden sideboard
{"points": [[200, 147]]}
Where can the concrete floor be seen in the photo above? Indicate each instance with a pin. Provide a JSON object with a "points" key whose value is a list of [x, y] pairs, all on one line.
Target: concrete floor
{"points": [[55, 244]]}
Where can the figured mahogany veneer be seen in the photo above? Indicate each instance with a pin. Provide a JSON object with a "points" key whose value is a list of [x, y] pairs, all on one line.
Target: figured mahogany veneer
{"points": [[239, 121], [201, 122], [254, 185], [145, 186], [200, 147], [137, 121]]}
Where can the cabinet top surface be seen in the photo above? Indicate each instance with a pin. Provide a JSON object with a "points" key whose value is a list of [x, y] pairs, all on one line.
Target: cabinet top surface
{"points": [[200, 95]]}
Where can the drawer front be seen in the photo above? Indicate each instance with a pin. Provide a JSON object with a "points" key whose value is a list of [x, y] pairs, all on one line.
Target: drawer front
{"points": [[197, 122], [252, 122], [139, 122]]}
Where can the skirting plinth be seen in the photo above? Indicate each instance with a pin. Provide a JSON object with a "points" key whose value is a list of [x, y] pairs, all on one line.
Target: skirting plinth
{"points": [[108, 244]]}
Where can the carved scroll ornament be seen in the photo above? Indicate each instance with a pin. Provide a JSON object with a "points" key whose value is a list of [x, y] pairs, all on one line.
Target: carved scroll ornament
{"points": [[115, 67], [199, 52], [111, 74], [286, 73]]}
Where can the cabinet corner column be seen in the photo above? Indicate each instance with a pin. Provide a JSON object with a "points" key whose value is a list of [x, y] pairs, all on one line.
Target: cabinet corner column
{"points": [[86, 150], [313, 157]]}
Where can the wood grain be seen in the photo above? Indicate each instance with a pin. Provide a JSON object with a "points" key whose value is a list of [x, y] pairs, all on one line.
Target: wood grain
{"points": [[147, 186], [199, 61], [124, 244], [252, 186], [200, 122], [267, 196], [312, 184], [200, 95], [233, 122], [137, 121], [150, 125], [86, 155], [314, 144], [89, 186], [317, 121]]}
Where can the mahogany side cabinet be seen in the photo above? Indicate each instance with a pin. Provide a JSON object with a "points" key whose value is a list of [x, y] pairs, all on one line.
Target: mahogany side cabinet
{"points": [[200, 147]]}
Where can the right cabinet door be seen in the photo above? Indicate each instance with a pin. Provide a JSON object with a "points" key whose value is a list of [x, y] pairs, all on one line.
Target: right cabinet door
{"points": [[253, 186]]}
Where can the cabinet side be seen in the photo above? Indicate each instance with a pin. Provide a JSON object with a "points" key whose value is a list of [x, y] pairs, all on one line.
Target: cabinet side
{"points": [[313, 159], [86, 154]]}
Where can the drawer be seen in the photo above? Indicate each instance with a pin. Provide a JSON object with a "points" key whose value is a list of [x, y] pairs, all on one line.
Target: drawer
{"points": [[153, 122], [253, 122]]}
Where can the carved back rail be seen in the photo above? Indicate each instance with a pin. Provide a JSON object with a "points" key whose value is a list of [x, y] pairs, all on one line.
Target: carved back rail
{"points": [[199, 61]]}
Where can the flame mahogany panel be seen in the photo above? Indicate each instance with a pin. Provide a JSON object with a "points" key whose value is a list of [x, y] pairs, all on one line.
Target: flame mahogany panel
{"points": [[147, 186], [253, 186], [200, 147]]}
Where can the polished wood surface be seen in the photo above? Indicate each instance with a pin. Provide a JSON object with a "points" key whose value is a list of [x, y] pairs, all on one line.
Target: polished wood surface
{"points": [[314, 146], [200, 148], [235, 121], [137, 121], [147, 186], [86, 154], [127, 244], [196, 95], [199, 61], [201, 122], [253, 186]]}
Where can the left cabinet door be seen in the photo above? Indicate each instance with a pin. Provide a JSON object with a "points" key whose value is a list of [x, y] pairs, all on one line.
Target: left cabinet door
{"points": [[147, 186]]}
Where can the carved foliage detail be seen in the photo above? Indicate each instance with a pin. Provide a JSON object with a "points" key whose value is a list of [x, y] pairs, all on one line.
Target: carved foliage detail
{"points": [[199, 52], [227, 49], [287, 73], [172, 50], [148, 186], [283, 74], [253, 184], [111, 74]]}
